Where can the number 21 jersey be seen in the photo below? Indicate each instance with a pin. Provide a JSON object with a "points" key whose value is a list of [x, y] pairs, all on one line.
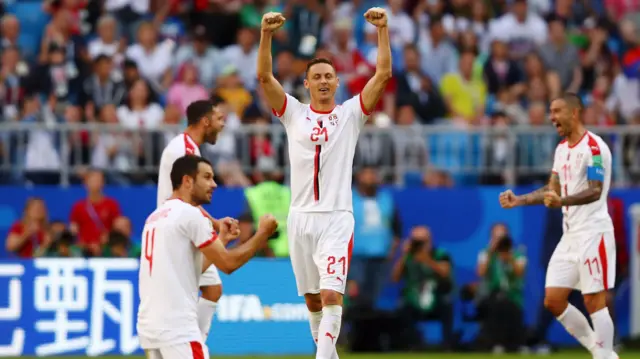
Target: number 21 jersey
{"points": [[321, 148]]}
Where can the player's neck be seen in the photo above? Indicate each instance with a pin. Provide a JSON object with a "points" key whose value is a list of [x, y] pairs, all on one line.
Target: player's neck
{"points": [[575, 136], [95, 197], [323, 106], [184, 197], [195, 135]]}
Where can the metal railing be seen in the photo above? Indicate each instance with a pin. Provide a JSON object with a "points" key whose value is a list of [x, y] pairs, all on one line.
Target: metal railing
{"points": [[52, 154]]}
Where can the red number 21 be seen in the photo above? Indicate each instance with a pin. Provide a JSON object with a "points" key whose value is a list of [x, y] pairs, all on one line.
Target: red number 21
{"points": [[594, 260], [149, 241], [332, 262]]}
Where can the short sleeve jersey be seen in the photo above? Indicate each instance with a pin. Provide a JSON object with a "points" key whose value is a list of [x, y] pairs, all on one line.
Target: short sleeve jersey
{"points": [[589, 159], [321, 148], [170, 269], [179, 146]]}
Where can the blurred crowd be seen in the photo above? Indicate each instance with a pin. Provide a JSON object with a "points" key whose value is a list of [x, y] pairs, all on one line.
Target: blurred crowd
{"points": [[463, 63]]}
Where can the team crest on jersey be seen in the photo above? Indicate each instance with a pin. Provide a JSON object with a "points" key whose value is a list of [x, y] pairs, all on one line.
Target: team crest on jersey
{"points": [[333, 119]]}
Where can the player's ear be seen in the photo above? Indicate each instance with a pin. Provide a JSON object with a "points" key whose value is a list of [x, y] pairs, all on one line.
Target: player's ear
{"points": [[306, 84]]}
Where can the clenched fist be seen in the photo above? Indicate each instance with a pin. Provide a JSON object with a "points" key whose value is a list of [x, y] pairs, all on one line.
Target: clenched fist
{"points": [[552, 200], [376, 16], [508, 199], [268, 224], [272, 21]]}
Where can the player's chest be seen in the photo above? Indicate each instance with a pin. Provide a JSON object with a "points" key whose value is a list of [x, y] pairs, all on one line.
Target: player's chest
{"points": [[315, 129], [573, 165]]}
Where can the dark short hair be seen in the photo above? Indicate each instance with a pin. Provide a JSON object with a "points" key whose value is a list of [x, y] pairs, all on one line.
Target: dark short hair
{"points": [[185, 166], [197, 110], [505, 244], [100, 58], [318, 60], [117, 238], [572, 100]]}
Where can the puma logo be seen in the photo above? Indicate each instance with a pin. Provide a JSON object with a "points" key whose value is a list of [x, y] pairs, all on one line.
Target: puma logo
{"points": [[333, 339], [599, 344], [340, 279]]}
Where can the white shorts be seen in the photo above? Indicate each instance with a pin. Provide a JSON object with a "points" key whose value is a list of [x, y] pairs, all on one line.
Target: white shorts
{"points": [[320, 245], [210, 277], [586, 262], [191, 350]]}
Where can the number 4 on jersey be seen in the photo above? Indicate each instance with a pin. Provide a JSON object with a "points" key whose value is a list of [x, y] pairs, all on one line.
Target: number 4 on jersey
{"points": [[149, 241]]}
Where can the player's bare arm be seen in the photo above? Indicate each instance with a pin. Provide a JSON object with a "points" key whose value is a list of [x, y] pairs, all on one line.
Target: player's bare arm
{"points": [[374, 88], [272, 89], [231, 223], [509, 200], [230, 260], [589, 195]]}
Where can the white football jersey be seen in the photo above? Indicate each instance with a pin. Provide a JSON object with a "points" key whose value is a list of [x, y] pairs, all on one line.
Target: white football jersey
{"points": [[321, 149], [179, 146], [573, 164], [170, 268]]}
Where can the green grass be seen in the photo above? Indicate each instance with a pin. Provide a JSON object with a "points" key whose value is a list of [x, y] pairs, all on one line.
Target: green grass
{"points": [[561, 355]]}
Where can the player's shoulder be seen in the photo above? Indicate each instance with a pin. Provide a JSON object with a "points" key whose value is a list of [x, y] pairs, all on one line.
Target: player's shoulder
{"points": [[181, 145], [595, 142]]}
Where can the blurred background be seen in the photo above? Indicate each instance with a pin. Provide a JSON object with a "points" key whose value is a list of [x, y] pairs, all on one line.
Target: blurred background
{"points": [[91, 91]]}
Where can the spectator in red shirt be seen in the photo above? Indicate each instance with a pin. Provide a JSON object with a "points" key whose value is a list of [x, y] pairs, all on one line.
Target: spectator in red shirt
{"points": [[28, 236], [92, 217]]}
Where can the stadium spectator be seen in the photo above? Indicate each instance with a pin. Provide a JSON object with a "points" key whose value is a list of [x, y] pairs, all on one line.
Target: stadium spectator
{"points": [[92, 217], [409, 145], [205, 57], [107, 42], [231, 89], [186, 88], [29, 237], [428, 285], [101, 88], [244, 56], [154, 59], [523, 30], [139, 112], [438, 56], [268, 195], [464, 95], [375, 239], [13, 73], [561, 56], [500, 296], [501, 72], [416, 88]]}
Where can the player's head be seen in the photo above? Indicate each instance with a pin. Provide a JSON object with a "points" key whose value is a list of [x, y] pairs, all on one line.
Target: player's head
{"points": [[193, 175], [566, 112], [321, 79], [208, 116]]}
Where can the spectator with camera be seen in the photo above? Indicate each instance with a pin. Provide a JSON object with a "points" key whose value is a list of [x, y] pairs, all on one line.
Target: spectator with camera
{"points": [[501, 268], [428, 286]]}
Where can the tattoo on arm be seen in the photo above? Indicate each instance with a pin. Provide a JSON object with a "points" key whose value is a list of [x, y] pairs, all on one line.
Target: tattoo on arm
{"points": [[587, 196], [537, 196]]}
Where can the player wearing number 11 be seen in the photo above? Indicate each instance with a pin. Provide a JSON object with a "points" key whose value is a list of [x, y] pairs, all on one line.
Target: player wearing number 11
{"points": [[179, 244], [585, 256], [322, 138]]}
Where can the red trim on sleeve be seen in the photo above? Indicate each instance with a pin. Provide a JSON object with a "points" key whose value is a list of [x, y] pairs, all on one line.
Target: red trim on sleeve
{"points": [[593, 145], [213, 238], [282, 110], [364, 110]]}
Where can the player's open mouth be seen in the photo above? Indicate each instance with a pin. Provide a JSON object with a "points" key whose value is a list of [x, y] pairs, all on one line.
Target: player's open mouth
{"points": [[324, 89]]}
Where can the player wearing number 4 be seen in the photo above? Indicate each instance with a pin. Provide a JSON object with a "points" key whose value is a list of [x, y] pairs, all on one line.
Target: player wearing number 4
{"points": [[585, 257], [179, 244], [322, 138]]}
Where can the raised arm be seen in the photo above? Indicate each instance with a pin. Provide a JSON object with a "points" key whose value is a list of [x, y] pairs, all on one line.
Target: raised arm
{"points": [[373, 90], [230, 260], [272, 89]]}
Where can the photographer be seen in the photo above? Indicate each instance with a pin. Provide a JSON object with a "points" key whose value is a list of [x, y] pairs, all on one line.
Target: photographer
{"points": [[428, 285], [63, 246], [500, 296]]}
